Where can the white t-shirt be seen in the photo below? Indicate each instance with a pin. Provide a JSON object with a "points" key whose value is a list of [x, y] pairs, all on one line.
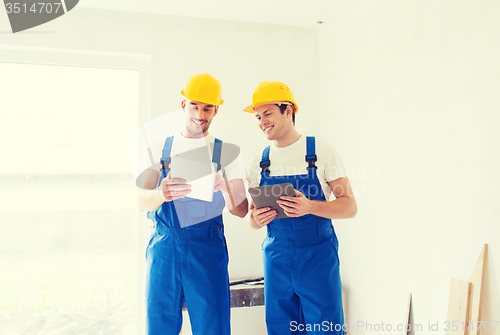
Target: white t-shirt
{"points": [[291, 160], [233, 170]]}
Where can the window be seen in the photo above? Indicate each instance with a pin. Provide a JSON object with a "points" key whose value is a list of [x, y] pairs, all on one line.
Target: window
{"points": [[69, 237]]}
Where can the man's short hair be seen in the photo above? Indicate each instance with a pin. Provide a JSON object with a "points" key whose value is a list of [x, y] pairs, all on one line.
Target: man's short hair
{"points": [[283, 107]]}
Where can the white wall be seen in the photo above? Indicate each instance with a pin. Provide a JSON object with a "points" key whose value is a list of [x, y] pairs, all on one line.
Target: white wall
{"points": [[410, 90]]}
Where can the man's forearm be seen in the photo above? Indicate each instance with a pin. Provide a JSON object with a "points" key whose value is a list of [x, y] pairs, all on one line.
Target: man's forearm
{"points": [[240, 210], [235, 198], [149, 200], [340, 208], [236, 204]]}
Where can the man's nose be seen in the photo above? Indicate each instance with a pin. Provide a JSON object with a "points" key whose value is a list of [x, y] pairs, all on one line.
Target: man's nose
{"points": [[199, 113], [262, 122]]}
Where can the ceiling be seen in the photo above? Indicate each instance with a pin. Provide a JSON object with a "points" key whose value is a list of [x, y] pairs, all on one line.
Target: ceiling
{"points": [[305, 13]]}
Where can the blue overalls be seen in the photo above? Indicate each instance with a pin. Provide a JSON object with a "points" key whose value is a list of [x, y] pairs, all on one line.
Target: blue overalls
{"points": [[301, 264], [187, 262]]}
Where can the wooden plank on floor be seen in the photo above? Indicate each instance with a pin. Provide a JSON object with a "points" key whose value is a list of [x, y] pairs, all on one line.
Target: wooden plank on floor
{"points": [[458, 307], [477, 286]]}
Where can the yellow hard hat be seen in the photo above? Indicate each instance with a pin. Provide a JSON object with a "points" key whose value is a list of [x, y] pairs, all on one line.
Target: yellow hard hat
{"points": [[271, 92], [203, 88]]}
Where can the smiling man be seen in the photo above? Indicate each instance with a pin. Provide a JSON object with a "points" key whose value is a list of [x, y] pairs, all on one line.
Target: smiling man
{"points": [[301, 264], [187, 255]]}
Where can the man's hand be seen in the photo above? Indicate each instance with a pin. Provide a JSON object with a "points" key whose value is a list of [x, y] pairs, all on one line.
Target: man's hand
{"points": [[220, 184], [174, 188], [295, 206], [262, 216], [233, 193]]}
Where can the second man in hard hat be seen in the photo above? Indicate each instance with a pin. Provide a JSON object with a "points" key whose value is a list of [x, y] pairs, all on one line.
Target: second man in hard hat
{"points": [[187, 255], [301, 263]]}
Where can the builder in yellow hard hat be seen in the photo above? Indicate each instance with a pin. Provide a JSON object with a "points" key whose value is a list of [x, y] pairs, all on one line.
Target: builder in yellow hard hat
{"points": [[301, 264], [187, 255]]}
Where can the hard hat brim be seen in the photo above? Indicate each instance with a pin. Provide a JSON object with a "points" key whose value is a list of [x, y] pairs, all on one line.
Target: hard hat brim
{"points": [[205, 102], [251, 108]]}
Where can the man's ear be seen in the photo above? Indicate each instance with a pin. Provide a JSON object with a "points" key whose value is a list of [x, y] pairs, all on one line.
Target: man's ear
{"points": [[183, 104], [216, 110], [289, 110]]}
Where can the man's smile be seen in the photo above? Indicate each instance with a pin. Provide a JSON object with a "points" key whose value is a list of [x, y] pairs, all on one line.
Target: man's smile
{"points": [[199, 122], [268, 128]]}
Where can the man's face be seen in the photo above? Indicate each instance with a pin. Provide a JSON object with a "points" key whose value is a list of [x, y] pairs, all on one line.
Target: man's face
{"points": [[198, 116], [271, 121]]}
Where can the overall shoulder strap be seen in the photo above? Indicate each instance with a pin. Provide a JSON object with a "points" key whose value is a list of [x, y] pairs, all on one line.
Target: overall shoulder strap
{"points": [[165, 158], [311, 157], [265, 162], [216, 153]]}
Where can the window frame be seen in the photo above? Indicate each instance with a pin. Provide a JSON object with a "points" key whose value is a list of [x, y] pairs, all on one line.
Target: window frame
{"points": [[105, 60]]}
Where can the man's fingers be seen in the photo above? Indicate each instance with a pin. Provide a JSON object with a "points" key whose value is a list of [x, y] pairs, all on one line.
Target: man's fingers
{"points": [[286, 205], [177, 197], [267, 221], [266, 218], [220, 185], [265, 215], [173, 181], [291, 199], [290, 211], [173, 193], [178, 187], [170, 180], [262, 210]]}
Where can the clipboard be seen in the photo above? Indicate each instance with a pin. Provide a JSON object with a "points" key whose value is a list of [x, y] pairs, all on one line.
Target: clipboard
{"points": [[266, 196]]}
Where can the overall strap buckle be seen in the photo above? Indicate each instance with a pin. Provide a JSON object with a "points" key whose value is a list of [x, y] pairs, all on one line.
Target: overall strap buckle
{"points": [[165, 163], [311, 160], [165, 159], [265, 162], [264, 165], [311, 157]]}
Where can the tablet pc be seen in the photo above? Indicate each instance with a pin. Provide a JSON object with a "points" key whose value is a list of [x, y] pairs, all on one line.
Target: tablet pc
{"points": [[200, 175], [266, 196]]}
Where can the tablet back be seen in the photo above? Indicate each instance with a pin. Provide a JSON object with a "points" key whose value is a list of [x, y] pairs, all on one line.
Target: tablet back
{"points": [[266, 196], [197, 173]]}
